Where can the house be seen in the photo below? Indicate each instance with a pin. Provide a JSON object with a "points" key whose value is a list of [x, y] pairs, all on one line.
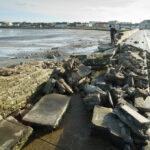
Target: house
{"points": [[94, 24], [16, 24], [145, 24], [61, 25], [124, 25]]}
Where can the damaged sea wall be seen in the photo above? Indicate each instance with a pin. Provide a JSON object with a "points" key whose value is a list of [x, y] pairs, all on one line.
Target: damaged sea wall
{"points": [[126, 35], [17, 89]]}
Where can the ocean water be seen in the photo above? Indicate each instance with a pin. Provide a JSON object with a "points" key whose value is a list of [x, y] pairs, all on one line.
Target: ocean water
{"points": [[17, 41]]}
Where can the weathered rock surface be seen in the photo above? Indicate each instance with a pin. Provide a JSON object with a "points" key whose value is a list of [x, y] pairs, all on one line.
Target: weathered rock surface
{"points": [[109, 125], [91, 100], [17, 89], [13, 134], [133, 119], [48, 111], [49, 86], [138, 102], [74, 76], [92, 89], [143, 105]]}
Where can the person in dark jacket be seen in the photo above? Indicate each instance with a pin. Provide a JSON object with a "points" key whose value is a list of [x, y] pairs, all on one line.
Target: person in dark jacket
{"points": [[113, 32]]}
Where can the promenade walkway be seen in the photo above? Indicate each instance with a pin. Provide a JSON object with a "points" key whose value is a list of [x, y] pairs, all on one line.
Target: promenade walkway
{"points": [[140, 39]]}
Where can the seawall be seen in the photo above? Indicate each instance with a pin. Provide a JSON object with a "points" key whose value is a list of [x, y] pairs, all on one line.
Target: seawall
{"points": [[126, 35]]}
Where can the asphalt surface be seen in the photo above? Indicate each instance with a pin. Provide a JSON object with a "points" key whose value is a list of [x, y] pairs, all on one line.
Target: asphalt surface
{"points": [[140, 39]]}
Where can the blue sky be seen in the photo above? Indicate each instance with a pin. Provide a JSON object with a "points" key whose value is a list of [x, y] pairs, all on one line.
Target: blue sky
{"points": [[74, 10]]}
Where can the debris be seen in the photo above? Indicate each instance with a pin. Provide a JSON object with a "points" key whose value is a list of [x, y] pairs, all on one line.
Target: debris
{"points": [[48, 111], [110, 127], [143, 105], [49, 86], [91, 100], [74, 76], [92, 89], [133, 119], [138, 102], [13, 134], [123, 101], [125, 87], [68, 88], [110, 99], [61, 87]]}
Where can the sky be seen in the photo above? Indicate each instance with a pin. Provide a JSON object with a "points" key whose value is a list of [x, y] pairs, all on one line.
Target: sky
{"points": [[74, 10]]}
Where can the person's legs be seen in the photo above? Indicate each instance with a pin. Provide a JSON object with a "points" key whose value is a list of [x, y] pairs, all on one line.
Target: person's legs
{"points": [[112, 40]]}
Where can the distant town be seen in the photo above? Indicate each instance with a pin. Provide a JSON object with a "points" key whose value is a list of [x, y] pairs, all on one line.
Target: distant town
{"points": [[92, 25]]}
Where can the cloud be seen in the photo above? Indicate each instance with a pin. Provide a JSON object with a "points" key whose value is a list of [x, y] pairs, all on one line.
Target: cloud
{"points": [[79, 10]]}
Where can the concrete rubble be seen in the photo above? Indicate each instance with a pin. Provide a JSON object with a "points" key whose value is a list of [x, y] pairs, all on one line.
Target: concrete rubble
{"points": [[48, 111], [111, 127], [13, 134], [127, 81], [113, 84]]}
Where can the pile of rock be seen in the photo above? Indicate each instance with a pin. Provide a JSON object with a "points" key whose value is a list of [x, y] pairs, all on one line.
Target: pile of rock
{"points": [[114, 84], [68, 78], [120, 99]]}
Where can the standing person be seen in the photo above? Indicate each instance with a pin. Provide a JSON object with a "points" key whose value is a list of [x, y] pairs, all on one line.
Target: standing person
{"points": [[113, 31]]}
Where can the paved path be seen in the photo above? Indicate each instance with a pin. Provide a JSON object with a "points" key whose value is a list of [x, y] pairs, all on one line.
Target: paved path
{"points": [[143, 37]]}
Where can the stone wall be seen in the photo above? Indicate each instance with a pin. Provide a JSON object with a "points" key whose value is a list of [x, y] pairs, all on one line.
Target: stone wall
{"points": [[17, 89], [126, 35]]}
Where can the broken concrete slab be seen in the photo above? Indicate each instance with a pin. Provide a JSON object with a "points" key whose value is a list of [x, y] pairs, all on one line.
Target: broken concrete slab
{"points": [[105, 121], [138, 102], [91, 100], [13, 134], [49, 86], [74, 76], [140, 120], [136, 55], [103, 85], [91, 89], [117, 78], [48, 111], [121, 100], [68, 88], [144, 106], [141, 92], [98, 62], [133, 119], [116, 92]]}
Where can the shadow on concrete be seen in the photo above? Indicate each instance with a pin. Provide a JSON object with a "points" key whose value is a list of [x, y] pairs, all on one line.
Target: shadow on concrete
{"points": [[74, 132]]}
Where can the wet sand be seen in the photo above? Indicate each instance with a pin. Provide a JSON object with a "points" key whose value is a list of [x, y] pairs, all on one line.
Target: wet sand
{"points": [[74, 132], [22, 43]]}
